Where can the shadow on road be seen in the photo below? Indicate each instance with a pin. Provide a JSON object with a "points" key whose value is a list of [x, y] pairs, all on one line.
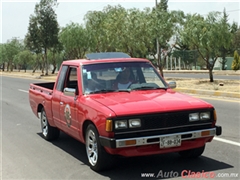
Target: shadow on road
{"points": [[158, 166]]}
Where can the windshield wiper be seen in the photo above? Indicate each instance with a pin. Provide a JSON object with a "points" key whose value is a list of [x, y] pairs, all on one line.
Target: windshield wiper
{"points": [[123, 90], [148, 88], [109, 90], [102, 91]]}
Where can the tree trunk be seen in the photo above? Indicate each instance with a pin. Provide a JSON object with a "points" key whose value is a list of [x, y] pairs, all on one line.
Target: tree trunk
{"points": [[11, 65], [42, 66], [3, 66], [223, 62], [211, 75], [54, 69], [36, 66], [46, 61], [7, 66], [160, 66], [161, 71], [54, 64]]}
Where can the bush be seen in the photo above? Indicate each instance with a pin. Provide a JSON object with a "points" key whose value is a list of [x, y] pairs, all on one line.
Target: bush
{"points": [[236, 61]]}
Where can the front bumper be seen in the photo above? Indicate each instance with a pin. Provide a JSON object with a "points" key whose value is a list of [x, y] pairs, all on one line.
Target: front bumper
{"points": [[148, 140]]}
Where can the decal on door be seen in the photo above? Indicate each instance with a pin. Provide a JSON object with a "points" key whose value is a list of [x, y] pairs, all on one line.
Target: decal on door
{"points": [[67, 114]]}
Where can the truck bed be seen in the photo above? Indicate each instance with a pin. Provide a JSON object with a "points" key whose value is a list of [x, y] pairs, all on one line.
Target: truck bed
{"points": [[48, 85], [41, 93]]}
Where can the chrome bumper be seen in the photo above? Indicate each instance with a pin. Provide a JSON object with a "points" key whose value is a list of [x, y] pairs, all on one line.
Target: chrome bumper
{"points": [[148, 140]]}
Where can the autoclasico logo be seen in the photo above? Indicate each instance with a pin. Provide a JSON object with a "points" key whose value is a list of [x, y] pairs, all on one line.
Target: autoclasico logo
{"points": [[186, 174], [192, 174]]}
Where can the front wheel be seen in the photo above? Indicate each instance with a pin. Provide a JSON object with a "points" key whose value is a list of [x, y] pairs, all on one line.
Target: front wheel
{"points": [[98, 158], [49, 133], [192, 153]]}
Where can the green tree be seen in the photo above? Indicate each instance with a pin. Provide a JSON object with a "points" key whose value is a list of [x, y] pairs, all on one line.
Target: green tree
{"points": [[163, 5], [11, 49], [97, 32], [236, 40], [23, 60], [183, 51], [33, 42], [2, 56], [162, 29], [55, 55], [227, 31], [118, 29], [47, 28], [187, 56], [236, 61], [137, 33], [75, 40], [206, 36]]}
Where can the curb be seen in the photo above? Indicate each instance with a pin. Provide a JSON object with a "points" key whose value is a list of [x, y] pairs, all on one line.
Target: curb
{"points": [[206, 92], [215, 72]]}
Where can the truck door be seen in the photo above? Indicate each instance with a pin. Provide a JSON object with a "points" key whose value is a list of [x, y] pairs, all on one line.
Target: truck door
{"points": [[56, 97], [68, 107]]}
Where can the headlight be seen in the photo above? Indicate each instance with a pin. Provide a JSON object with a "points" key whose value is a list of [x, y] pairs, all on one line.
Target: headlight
{"points": [[134, 123], [121, 124], [194, 117], [204, 115]]}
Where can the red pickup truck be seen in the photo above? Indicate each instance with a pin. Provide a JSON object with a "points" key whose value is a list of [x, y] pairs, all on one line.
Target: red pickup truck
{"points": [[118, 105]]}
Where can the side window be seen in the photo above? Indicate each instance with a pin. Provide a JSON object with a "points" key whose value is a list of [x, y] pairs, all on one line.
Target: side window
{"points": [[73, 74], [72, 78], [62, 75]]}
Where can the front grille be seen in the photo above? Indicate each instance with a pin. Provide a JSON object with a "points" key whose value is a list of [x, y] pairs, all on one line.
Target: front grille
{"points": [[165, 120], [166, 123]]}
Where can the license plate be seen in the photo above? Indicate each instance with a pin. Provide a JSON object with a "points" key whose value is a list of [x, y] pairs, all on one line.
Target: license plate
{"points": [[170, 141]]}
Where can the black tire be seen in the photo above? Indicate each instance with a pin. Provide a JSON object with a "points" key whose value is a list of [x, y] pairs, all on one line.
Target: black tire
{"points": [[48, 132], [192, 153], [98, 158]]}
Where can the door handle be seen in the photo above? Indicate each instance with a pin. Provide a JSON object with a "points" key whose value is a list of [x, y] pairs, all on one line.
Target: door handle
{"points": [[61, 103]]}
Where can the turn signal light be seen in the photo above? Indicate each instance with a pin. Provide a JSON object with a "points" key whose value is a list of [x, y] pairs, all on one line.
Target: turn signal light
{"points": [[214, 115], [205, 133], [130, 142], [108, 125]]}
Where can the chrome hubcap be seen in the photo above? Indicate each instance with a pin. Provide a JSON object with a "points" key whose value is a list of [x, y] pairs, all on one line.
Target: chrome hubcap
{"points": [[44, 124], [91, 148]]}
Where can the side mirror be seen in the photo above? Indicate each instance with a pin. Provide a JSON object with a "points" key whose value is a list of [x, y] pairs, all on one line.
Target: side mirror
{"points": [[69, 91], [172, 84]]}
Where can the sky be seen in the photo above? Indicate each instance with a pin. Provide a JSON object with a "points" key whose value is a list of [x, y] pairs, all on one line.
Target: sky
{"points": [[14, 14]]}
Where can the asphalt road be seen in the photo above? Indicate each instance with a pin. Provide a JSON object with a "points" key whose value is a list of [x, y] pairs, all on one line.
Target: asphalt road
{"points": [[26, 155], [201, 76]]}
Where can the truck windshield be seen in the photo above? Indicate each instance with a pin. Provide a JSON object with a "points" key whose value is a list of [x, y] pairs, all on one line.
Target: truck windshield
{"points": [[127, 76]]}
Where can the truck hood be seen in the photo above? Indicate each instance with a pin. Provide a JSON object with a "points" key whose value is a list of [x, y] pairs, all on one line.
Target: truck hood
{"points": [[150, 101]]}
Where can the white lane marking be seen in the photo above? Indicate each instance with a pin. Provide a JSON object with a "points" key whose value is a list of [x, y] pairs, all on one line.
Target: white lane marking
{"points": [[227, 141], [23, 90]]}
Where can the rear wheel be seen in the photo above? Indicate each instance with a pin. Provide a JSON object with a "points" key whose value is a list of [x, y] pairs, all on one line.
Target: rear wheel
{"points": [[98, 158], [192, 153], [48, 132]]}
